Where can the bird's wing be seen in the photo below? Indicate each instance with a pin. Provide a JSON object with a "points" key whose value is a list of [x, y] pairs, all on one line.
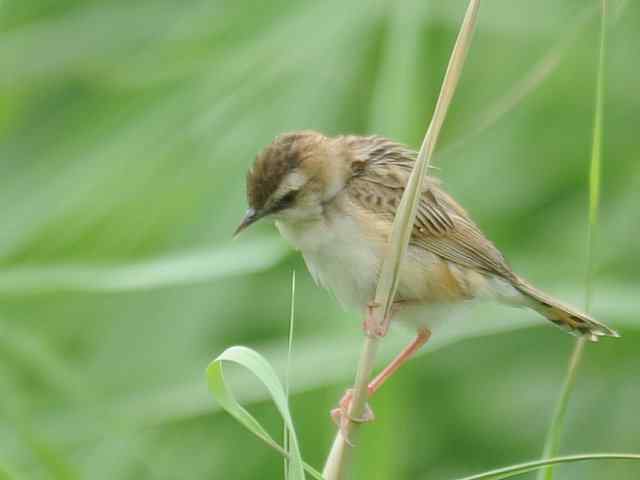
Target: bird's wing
{"points": [[442, 226]]}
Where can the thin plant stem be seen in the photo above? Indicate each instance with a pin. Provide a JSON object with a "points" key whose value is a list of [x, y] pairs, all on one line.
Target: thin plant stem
{"points": [[339, 457], [287, 374], [554, 434], [552, 442]]}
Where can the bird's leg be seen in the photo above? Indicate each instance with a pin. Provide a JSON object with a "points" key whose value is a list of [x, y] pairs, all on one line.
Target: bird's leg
{"points": [[421, 338], [340, 415]]}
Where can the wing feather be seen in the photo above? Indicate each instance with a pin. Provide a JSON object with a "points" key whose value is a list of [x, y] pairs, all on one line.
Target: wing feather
{"points": [[442, 226]]}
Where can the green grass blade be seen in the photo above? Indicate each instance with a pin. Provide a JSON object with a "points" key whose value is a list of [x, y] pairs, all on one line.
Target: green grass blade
{"points": [[596, 156], [514, 470], [287, 377], [292, 314], [256, 364], [552, 442]]}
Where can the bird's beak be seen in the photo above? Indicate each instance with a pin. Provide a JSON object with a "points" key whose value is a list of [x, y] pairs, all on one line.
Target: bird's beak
{"points": [[251, 216]]}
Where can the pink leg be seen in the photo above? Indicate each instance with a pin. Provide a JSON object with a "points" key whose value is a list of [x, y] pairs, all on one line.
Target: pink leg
{"points": [[340, 414], [408, 352]]}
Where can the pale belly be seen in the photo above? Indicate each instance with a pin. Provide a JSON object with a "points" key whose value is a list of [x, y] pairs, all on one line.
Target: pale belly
{"points": [[344, 259]]}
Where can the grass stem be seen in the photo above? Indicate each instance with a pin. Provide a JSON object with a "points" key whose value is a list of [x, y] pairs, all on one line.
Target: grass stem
{"points": [[287, 375], [552, 443], [340, 455]]}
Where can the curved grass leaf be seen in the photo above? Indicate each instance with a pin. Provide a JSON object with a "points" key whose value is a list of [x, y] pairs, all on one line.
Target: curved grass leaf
{"points": [[256, 364], [514, 470]]}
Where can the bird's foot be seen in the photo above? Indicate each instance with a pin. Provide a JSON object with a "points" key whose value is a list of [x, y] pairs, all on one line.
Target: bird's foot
{"points": [[341, 416]]}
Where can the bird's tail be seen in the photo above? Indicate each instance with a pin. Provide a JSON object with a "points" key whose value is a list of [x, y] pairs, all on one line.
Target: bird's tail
{"points": [[564, 316]]}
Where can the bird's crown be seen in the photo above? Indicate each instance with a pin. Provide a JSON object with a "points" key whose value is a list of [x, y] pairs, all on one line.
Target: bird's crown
{"points": [[285, 154]]}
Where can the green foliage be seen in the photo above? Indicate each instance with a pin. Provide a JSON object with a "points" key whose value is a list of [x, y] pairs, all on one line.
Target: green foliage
{"points": [[126, 129], [257, 365], [260, 367]]}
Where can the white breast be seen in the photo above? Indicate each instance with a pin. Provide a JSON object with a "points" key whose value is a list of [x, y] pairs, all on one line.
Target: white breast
{"points": [[338, 255]]}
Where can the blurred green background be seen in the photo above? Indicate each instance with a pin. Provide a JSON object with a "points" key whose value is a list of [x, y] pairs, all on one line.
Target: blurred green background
{"points": [[126, 129]]}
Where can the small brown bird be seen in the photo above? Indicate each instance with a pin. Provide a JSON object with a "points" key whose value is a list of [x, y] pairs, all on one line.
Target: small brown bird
{"points": [[334, 199]]}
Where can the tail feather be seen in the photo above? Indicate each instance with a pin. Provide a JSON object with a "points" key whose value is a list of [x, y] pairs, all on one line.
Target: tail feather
{"points": [[564, 316]]}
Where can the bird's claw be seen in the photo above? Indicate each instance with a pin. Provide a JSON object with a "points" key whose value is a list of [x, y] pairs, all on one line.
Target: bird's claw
{"points": [[341, 416]]}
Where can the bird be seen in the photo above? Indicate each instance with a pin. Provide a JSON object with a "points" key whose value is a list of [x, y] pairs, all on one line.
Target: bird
{"points": [[334, 199]]}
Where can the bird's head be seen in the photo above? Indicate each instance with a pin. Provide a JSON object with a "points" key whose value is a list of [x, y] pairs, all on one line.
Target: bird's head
{"points": [[294, 176]]}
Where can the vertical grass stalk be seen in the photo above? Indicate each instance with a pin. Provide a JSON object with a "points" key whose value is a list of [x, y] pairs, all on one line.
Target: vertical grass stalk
{"points": [[340, 455], [552, 442], [287, 374]]}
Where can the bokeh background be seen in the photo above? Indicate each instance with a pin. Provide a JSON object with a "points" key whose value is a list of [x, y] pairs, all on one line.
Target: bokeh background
{"points": [[126, 129]]}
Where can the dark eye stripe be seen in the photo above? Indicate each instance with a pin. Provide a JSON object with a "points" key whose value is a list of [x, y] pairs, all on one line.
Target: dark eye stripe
{"points": [[286, 200]]}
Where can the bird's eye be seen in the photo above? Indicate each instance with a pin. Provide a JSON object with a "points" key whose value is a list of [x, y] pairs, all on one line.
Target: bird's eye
{"points": [[287, 199]]}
